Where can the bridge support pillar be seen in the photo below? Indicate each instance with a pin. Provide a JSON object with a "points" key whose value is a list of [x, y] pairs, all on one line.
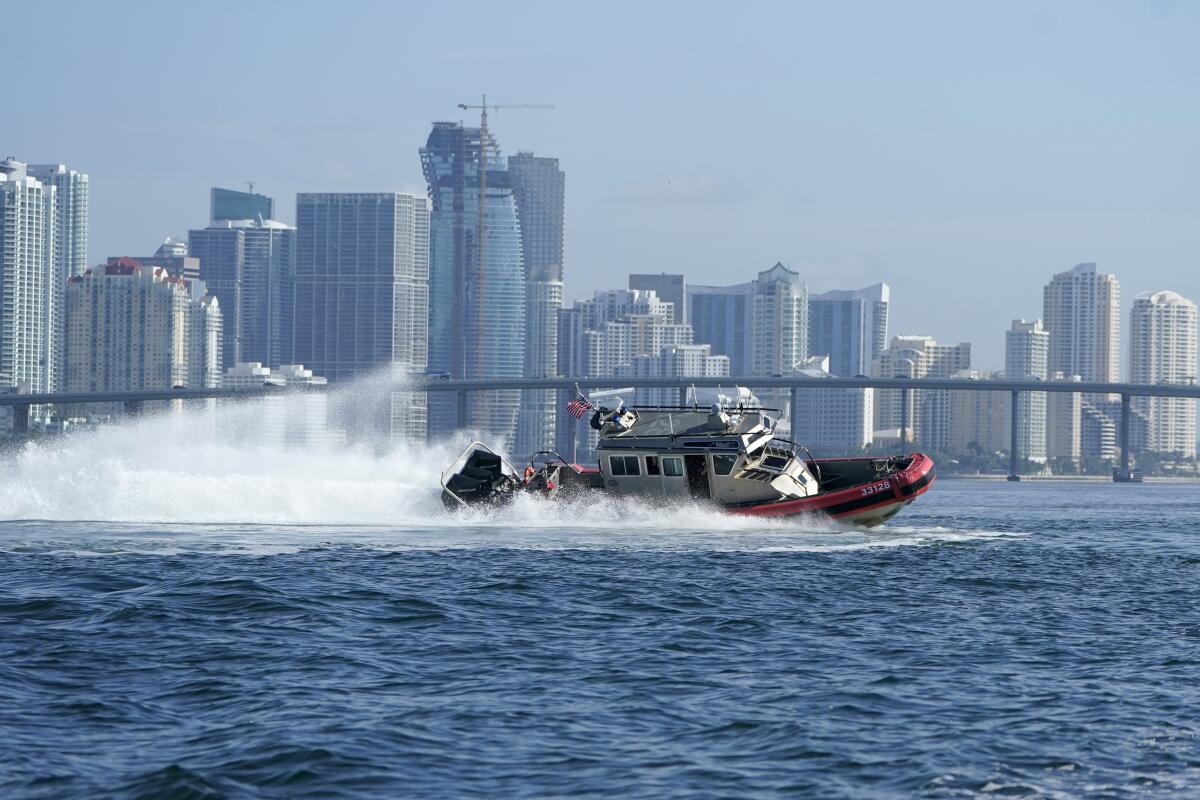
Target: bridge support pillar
{"points": [[133, 408], [1125, 473], [904, 420], [795, 414], [683, 395], [1014, 473], [20, 427], [460, 411]]}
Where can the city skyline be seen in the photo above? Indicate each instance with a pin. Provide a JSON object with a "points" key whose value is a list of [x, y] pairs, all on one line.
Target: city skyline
{"points": [[986, 177]]}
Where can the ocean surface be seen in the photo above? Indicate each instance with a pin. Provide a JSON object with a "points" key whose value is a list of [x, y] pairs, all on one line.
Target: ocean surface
{"points": [[223, 622]]}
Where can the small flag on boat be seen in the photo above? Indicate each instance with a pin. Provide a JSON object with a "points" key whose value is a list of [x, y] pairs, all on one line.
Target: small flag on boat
{"points": [[578, 407]]}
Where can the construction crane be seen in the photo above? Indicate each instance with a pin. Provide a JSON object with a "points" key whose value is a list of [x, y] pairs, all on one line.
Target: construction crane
{"points": [[482, 221]]}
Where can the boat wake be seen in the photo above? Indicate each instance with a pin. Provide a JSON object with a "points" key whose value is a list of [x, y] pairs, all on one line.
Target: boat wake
{"points": [[185, 480]]}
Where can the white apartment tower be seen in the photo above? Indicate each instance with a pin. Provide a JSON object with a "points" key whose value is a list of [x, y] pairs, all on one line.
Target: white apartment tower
{"points": [[1162, 349], [673, 361], [832, 421], [1081, 310], [28, 316], [928, 412], [1026, 355], [780, 322], [132, 327], [70, 233]]}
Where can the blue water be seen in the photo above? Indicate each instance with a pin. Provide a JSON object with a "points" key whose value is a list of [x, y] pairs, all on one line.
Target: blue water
{"points": [[1036, 640]]}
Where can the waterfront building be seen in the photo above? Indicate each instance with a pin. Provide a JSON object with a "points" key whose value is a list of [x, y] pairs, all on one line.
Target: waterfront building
{"points": [[249, 264], [1064, 412], [1162, 349], [477, 320], [227, 204], [780, 322], [851, 327], [1026, 354], [28, 269], [671, 288], [1082, 313], [538, 186], [722, 316], [928, 412], [361, 292], [299, 420], [832, 422], [171, 255], [979, 421], [600, 337], [131, 327], [672, 361]]}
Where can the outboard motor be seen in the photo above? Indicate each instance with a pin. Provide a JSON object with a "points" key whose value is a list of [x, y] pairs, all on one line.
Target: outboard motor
{"points": [[483, 478]]}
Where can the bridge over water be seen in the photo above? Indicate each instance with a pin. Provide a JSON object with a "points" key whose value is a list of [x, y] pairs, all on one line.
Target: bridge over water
{"points": [[22, 402]]}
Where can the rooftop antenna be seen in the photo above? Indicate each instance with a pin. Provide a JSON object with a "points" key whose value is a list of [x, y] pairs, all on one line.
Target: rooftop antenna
{"points": [[251, 185], [482, 221]]}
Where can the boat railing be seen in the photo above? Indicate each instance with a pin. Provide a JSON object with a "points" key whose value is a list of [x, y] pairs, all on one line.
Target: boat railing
{"points": [[794, 449]]}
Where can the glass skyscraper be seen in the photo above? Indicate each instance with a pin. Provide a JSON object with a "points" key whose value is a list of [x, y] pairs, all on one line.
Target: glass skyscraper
{"points": [[228, 204], [361, 292], [850, 327], [249, 265], [538, 188], [477, 297]]}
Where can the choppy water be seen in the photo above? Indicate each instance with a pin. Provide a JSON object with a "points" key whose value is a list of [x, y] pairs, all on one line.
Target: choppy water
{"points": [[328, 633]]}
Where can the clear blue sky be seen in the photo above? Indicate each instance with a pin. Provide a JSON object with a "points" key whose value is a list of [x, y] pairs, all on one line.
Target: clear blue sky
{"points": [[963, 152]]}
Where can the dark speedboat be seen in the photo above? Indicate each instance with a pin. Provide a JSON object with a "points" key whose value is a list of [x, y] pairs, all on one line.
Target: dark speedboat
{"points": [[730, 458]]}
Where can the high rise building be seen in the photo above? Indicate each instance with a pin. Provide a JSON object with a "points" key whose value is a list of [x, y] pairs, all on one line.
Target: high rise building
{"points": [[132, 327], [28, 264], [928, 411], [70, 217], [361, 292], [538, 187], [229, 204], [298, 420], [780, 321], [832, 421], [979, 421], [669, 287], [477, 320], [1081, 309], [171, 255], [850, 327], [1026, 353], [672, 361], [249, 264], [603, 336], [1063, 425], [1162, 349], [722, 316], [1082, 313]]}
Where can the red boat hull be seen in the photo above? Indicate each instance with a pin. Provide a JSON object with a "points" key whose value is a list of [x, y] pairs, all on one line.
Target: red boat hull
{"points": [[864, 503]]}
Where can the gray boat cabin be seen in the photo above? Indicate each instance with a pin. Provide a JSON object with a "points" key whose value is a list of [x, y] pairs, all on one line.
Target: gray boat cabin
{"points": [[730, 456]]}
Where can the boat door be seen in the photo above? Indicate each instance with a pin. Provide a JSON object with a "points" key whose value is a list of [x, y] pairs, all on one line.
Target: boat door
{"points": [[697, 476]]}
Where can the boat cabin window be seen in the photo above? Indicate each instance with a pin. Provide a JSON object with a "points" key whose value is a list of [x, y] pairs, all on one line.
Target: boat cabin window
{"points": [[651, 465], [776, 463], [672, 467], [723, 465], [624, 465]]}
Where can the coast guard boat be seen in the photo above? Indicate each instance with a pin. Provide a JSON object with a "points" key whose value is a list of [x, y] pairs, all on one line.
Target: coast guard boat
{"points": [[727, 457]]}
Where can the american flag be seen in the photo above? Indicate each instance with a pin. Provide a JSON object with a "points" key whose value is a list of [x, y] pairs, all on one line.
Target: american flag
{"points": [[578, 407]]}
